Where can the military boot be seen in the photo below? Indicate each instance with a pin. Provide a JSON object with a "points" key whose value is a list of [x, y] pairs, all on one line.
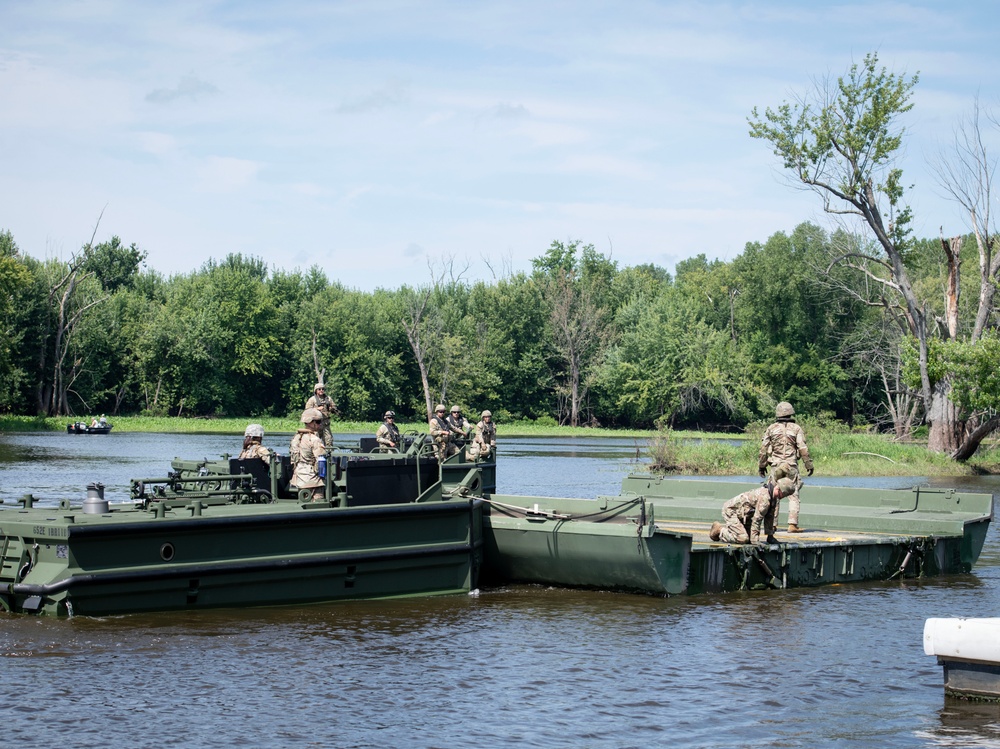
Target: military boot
{"points": [[792, 528], [771, 539], [715, 531]]}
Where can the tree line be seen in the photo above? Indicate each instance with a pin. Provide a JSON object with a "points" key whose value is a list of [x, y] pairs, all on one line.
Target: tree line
{"points": [[866, 324], [579, 339]]}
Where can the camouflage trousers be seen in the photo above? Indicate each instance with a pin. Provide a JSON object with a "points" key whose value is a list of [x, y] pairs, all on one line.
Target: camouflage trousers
{"points": [[783, 471], [734, 531], [478, 451], [444, 448]]}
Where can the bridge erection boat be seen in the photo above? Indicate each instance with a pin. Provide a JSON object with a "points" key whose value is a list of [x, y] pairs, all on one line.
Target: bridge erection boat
{"points": [[233, 533], [653, 538]]}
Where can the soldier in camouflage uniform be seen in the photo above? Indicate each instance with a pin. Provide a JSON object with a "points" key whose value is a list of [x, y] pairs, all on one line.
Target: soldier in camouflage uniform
{"points": [[306, 448], [326, 406], [781, 448], [387, 435], [252, 447], [744, 514], [441, 433], [485, 440], [460, 426]]}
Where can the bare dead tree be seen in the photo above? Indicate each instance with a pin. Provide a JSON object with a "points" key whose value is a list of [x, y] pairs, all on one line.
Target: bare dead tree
{"points": [[423, 326], [69, 311], [966, 172], [578, 333], [317, 370]]}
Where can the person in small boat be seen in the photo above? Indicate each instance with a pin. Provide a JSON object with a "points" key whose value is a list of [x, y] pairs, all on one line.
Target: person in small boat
{"points": [[441, 433], [308, 453], [103, 421], [781, 448], [485, 441], [744, 514], [253, 437], [93, 423], [387, 435]]}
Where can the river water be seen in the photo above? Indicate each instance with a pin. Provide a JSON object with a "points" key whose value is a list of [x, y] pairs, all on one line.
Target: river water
{"points": [[522, 666]]}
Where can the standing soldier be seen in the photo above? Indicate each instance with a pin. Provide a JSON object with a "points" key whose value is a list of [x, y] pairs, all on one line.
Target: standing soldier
{"points": [[309, 455], [783, 444], [326, 406], [441, 433], [485, 441], [253, 436], [744, 514], [387, 435]]}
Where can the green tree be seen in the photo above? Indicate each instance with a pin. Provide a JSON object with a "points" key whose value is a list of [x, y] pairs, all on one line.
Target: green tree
{"points": [[843, 141], [671, 363], [574, 288], [15, 289]]}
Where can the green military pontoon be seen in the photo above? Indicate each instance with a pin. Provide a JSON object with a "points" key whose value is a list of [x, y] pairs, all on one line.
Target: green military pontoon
{"points": [[653, 538], [232, 533]]}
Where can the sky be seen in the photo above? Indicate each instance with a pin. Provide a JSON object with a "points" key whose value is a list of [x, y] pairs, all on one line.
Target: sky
{"points": [[381, 139]]}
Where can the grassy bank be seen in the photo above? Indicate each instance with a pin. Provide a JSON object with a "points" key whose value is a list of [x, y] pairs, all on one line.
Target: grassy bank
{"points": [[836, 451]]}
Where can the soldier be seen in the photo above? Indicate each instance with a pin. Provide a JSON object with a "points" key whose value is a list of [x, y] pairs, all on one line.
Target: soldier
{"points": [[326, 406], [783, 444], [485, 440], [460, 426], [744, 514], [387, 435], [252, 447], [309, 455], [441, 433]]}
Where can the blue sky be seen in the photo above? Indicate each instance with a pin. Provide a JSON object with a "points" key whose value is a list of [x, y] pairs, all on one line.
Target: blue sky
{"points": [[371, 138]]}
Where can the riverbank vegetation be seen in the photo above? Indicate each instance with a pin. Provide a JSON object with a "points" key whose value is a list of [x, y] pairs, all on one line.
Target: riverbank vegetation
{"points": [[578, 340], [835, 452]]}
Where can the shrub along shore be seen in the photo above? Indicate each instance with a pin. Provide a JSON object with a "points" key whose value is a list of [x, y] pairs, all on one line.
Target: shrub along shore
{"points": [[836, 451]]}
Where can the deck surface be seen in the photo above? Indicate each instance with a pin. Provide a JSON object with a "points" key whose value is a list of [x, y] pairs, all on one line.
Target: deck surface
{"points": [[808, 536]]}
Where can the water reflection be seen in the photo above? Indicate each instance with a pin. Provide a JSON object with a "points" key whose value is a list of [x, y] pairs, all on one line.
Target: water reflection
{"points": [[965, 724]]}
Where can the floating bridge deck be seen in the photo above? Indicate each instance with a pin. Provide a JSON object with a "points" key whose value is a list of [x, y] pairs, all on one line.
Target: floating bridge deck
{"points": [[849, 535]]}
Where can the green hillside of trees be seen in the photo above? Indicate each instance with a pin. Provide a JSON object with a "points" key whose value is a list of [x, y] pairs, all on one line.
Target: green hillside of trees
{"points": [[578, 339]]}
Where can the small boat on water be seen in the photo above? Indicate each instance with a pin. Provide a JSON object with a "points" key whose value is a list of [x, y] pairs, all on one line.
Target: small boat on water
{"points": [[969, 652], [234, 533], [81, 427], [653, 538]]}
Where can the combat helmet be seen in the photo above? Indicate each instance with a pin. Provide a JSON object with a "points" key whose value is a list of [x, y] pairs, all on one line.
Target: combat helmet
{"points": [[784, 409], [311, 414], [319, 386], [439, 408], [486, 413], [456, 410], [389, 415], [254, 430], [786, 486]]}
